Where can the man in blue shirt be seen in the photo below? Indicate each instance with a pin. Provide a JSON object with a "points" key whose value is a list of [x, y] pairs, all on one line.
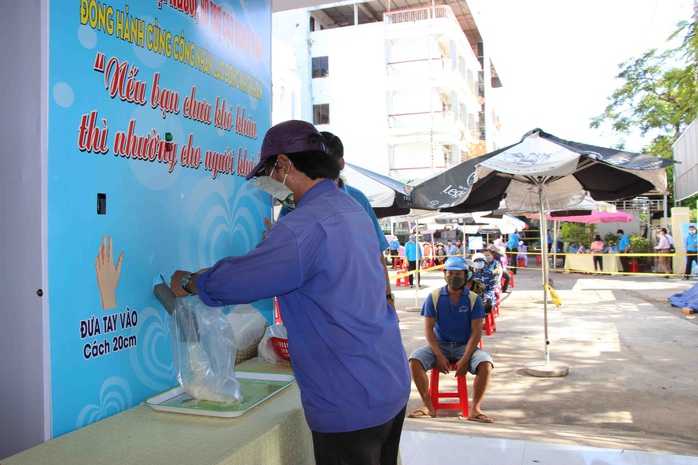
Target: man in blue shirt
{"points": [[394, 245], [623, 248], [345, 346], [453, 327], [335, 149], [513, 246], [691, 248], [450, 249], [611, 248], [413, 253]]}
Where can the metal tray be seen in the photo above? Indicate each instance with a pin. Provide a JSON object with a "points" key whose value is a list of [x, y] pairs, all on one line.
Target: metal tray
{"points": [[254, 387]]}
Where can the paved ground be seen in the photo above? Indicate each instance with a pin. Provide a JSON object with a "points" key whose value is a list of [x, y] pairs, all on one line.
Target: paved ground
{"points": [[632, 360]]}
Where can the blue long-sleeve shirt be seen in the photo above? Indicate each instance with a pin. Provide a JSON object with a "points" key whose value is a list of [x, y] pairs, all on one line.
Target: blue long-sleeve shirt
{"points": [[345, 345], [362, 200]]}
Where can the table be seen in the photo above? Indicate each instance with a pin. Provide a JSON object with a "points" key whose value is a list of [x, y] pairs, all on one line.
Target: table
{"points": [[584, 262], [274, 432]]}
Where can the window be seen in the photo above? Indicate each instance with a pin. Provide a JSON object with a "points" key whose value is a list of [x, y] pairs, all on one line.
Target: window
{"points": [[321, 114], [320, 68]]}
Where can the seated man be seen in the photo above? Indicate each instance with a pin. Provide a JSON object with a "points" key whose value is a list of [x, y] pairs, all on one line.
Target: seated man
{"points": [[611, 248], [453, 328]]}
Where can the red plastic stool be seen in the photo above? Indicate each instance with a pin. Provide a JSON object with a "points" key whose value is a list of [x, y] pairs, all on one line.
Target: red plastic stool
{"points": [[497, 295], [397, 262], [490, 325], [539, 260], [404, 281], [461, 395], [521, 262], [511, 279], [632, 267]]}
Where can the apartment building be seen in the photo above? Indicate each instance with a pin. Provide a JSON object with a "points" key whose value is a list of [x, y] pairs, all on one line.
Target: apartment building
{"points": [[404, 89]]}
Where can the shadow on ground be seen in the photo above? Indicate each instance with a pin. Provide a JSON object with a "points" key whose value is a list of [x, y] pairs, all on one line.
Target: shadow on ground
{"points": [[632, 379]]}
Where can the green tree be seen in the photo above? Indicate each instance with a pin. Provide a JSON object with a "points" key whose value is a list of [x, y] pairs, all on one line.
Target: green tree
{"points": [[575, 232], [658, 97]]}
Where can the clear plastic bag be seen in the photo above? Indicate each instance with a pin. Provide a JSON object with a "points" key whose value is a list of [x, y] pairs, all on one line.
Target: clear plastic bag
{"points": [[204, 350], [266, 348]]}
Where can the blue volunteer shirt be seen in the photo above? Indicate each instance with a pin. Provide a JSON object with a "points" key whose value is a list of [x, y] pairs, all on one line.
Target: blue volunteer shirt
{"points": [[413, 251], [362, 200], [513, 242], [345, 345], [453, 323], [624, 244], [691, 242]]}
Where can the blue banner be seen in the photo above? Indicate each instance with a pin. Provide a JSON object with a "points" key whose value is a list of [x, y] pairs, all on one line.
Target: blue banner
{"points": [[156, 114]]}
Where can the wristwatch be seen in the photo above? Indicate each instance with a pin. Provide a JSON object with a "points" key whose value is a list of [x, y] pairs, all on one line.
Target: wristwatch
{"points": [[390, 296], [185, 282]]}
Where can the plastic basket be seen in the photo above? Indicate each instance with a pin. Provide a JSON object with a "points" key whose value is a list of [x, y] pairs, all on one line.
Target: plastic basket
{"points": [[281, 347]]}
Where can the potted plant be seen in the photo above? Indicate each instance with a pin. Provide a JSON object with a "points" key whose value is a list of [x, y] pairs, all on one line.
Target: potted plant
{"points": [[638, 244]]}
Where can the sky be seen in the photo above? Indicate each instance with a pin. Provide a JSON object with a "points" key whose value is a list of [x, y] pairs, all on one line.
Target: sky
{"points": [[557, 59]]}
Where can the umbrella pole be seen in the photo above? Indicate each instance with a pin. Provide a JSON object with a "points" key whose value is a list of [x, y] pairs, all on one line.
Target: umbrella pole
{"points": [[418, 251], [546, 369], [544, 256]]}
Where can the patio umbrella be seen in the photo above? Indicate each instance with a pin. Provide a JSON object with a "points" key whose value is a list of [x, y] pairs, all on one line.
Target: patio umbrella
{"points": [[542, 173], [387, 196]]}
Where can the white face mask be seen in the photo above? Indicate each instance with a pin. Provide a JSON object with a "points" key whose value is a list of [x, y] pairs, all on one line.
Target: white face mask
{"points": [[276, 189], [479, 265]]}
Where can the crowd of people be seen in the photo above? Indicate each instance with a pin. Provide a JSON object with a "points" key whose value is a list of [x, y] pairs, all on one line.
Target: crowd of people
{"points": [[515, 252]]}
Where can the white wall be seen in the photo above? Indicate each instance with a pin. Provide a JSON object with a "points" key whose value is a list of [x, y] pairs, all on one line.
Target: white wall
{"points": [[24, 388], [358, 114], [291, 28], [286, 85]]}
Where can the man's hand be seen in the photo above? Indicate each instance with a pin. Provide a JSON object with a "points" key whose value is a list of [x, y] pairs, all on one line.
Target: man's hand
{"points": [[268, 224], [176, 283], [442, 364], [462, 366]]}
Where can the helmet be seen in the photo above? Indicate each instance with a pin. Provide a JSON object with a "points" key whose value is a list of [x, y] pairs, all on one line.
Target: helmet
{"points": [[455, 264], [478, 256]]}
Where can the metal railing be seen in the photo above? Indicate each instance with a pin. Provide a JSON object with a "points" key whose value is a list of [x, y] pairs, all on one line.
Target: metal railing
{"points": [[419, 14]]}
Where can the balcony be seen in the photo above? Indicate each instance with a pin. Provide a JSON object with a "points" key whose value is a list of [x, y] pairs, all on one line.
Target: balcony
{"points": [[420, 14]]}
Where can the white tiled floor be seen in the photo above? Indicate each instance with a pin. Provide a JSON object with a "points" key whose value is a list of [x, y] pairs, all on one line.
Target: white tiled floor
{"points": [[420, 448]]}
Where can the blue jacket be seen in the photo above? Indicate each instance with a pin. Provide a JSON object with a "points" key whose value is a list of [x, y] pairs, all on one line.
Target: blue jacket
{"points": [[345, 345], [691, 243]]}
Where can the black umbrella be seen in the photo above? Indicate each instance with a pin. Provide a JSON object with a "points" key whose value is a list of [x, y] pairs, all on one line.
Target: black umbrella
{"points": [[387, 196], [542, 173]]}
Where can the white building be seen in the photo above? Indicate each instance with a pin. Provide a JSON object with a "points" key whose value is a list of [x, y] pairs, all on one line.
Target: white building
{"points": [[404, 89]]}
